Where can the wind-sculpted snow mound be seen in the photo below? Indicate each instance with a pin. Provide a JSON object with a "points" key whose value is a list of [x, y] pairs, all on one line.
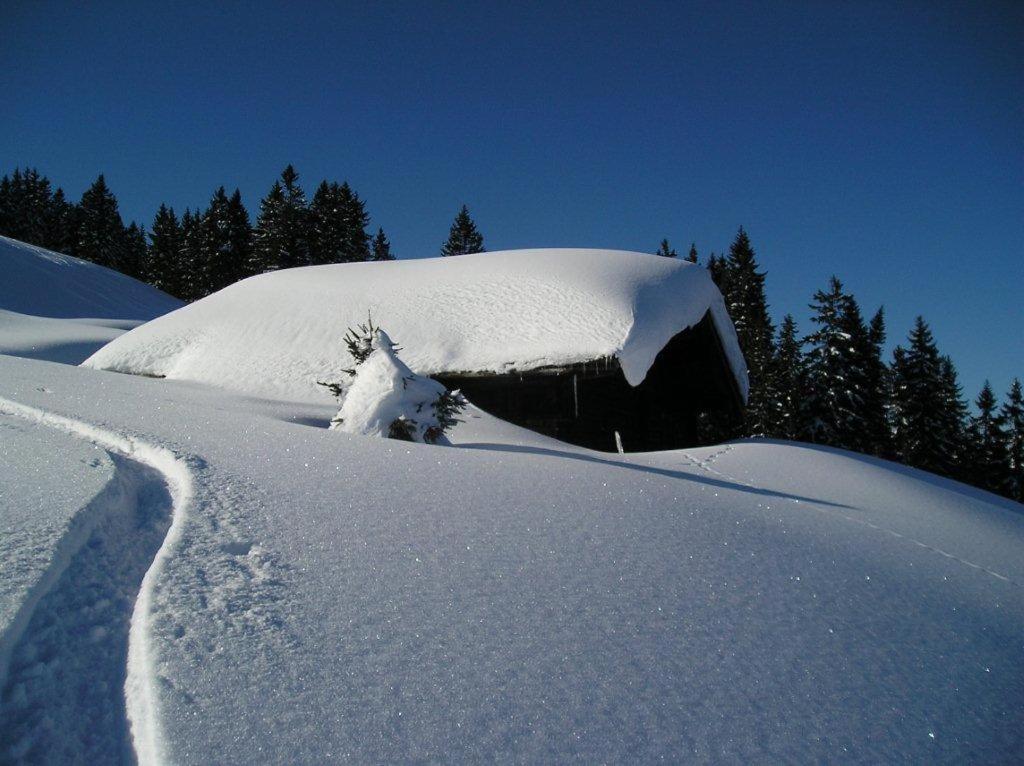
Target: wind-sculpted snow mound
{"points": [[40, 282], [276, 334]]}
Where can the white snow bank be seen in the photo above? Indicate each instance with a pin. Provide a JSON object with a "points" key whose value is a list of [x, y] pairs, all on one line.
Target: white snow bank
{"points": [[41, 282], [276, 334]]}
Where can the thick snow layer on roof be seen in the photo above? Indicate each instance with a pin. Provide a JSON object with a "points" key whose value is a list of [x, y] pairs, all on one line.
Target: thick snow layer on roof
{"points": [[277, 334], [40, 282]]}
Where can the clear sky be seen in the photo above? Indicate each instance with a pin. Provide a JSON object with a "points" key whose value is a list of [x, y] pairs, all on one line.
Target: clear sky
{"points": [[882, 144]]}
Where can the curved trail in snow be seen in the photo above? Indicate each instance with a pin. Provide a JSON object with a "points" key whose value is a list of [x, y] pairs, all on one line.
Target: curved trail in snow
{"points": [[140, 695]]}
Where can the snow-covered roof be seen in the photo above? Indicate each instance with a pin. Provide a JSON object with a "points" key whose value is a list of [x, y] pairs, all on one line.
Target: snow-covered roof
{"points": [[277, 334]]}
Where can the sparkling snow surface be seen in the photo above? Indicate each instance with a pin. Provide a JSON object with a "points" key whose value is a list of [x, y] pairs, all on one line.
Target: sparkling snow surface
{"points": [[277, 334], [330, 597]]}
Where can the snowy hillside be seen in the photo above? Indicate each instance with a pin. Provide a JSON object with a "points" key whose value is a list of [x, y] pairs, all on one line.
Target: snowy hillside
{"points": [[44, 283], [56, 307], [277, 334], [324, 597]]}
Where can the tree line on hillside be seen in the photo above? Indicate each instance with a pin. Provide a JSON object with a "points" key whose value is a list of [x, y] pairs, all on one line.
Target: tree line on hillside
{"points": [[202, 251], [834, 387], [831, 386]]}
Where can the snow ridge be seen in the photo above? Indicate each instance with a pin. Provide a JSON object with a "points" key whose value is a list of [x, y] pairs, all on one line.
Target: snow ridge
{"points": [[705, 465], [140, 693]]}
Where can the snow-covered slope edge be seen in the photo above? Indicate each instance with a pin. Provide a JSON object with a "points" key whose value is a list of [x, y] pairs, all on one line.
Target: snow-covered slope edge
{"points": [[277, 334], [140, 695], [40, 282], [63, 309]]}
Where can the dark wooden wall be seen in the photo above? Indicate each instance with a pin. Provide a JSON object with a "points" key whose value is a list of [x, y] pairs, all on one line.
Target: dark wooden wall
{"points": [[587, 403]]}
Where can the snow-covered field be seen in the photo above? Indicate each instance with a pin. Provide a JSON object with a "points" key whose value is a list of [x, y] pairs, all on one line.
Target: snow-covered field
{"points": [[195, 575]]}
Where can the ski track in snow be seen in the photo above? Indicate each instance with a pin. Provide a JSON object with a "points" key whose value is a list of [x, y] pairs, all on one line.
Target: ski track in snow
{"points": [[706, 463], [147, 476]]}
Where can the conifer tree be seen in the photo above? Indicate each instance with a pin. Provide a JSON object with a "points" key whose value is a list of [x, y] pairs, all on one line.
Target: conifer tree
{"points": [[381, 247], [692, 255], [281, 238], [61, 224], [1012, 413], [463, 237], [928, 408], [101, 232], [835, 384], [666, 251], [269, 241], [7, 214], [136, 252], [953, 412], [214, 260], [191, 285], [338, 221], [31, 213], [790, 377], [745, 299], [239, 239], [718, 269], [875, 408], [226, 243], [24, 202], [326, 225], [357, 240], [989, 462], [164, 272]]}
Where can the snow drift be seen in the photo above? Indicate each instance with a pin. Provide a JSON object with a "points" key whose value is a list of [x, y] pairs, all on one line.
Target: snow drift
{"points": [[63, 309], [277, 333]]}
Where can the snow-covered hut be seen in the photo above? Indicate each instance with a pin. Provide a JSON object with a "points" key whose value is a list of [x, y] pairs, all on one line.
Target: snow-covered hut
{"points": [[577, 344]]}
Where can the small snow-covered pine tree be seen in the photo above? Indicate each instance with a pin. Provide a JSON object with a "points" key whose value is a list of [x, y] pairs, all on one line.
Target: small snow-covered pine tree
{"points": [[385, 398]]}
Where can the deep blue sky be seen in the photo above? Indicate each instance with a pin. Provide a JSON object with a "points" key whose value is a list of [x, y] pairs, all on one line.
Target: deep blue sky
{"points": [[880, 144]]}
